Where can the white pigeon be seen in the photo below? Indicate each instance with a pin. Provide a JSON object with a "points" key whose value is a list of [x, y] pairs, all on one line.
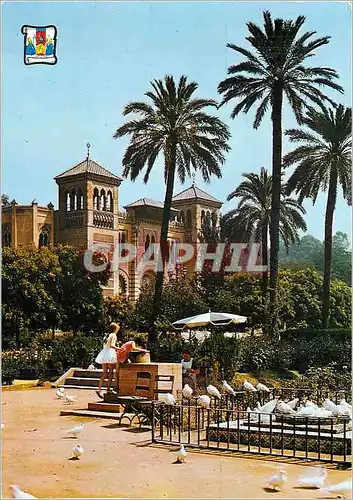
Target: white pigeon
{"points": [[91, 368], [278, 480], [321, 412], [60, 393], [169, 399], [75, 431], [213, 391], [293, 403], [78, 451], [310, 403], [204, 401], [18, 493], [268, 407], [340, 489], [343, 410], [187, 391], [330, 405], [315, 479], [249, 387], [181, 456], [70, 399], [282, 407], [344, 403], [262, 387], [227, 388], [306, 411]]}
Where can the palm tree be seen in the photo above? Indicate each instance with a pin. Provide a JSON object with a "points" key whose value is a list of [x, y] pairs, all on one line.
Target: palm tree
{"points": [[323, 161], [274, 70], [176, 126], [253, 215], [210, 231]]}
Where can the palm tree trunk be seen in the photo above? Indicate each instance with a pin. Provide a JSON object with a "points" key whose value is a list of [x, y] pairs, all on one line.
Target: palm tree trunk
{"points": [[264, 249], [330, 208], [163, 240], [275, 204]]}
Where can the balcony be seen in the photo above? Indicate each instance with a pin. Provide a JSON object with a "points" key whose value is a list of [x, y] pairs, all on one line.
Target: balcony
{"points": [[103, 220], [74, 219]]}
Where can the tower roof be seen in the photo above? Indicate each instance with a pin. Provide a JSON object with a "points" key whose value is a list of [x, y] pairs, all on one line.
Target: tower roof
{"points": [[145, 202], [194, 193], [88, 166]]}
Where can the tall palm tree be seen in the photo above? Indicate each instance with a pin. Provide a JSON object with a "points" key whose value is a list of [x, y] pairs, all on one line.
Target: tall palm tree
{"points": [[323, 161], [176, 126], [253, 215], [274, 70]]}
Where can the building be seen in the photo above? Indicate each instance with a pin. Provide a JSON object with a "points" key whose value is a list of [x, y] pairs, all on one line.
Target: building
{"points": [[89, 212]]}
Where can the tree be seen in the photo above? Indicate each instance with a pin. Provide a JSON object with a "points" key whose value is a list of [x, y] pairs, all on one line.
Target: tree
{"points": [[323, 161], [210, 231], [177, 127], [253, 215], [273, 71], [5, 200]]}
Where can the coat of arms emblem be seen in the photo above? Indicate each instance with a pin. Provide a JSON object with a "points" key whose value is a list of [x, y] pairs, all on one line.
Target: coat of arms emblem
{"points": [[39, 44]]}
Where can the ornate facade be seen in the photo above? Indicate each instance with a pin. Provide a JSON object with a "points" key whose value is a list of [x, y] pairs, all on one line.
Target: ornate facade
{"points": [[88, 213]]}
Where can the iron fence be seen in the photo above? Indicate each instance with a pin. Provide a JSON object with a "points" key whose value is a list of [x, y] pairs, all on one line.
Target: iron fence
{"points": [[230, 428]]}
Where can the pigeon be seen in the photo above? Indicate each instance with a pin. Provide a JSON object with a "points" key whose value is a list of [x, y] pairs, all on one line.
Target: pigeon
{"points": [[340, 489], [213, 391], [282, 407], [91, 368], [344, 411], [268, 407], [278, 480], [18, 493], [169, 399], [249, 387], [75, 431], [344, 403], [310, 403], [306, 411], [187, 391], [293, 403], [330, 405], [181, 456], [60, 393], [227, 388], [78, 451], [314, 480], [204, 401], [262, 387], [70, 399]]}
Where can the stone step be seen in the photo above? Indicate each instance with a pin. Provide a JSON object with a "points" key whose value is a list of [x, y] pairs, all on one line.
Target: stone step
{"points": [[87, 374], [91, 414], [92, 382], [89, 387], [106, 407]]}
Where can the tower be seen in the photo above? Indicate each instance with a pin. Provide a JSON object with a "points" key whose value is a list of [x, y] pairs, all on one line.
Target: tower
{"points": [[88, 209]]}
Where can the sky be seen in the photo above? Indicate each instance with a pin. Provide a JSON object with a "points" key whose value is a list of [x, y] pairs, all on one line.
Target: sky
{"points": [[108, 53]]}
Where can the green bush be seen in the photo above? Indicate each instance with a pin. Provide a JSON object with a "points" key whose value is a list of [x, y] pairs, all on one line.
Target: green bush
{"points": [[10, 368], [310, 333], [78, 351]]}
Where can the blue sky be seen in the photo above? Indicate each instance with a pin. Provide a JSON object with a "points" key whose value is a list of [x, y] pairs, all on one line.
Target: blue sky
{"points": [[107, 55]]}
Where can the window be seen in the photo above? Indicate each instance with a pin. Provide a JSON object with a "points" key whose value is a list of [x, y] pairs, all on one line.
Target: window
{"points": [[153, 242], [73, 204], [202, 215], [110, 202], [122, 236], [68, 201], [44, 237], [122, 285], [6, 235], [95, 199], [182, 217], [147, 242], [103, 201], [79, 199]]}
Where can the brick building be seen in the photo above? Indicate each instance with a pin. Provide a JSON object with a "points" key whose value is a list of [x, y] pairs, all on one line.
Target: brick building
{"points": [[89, 212]]}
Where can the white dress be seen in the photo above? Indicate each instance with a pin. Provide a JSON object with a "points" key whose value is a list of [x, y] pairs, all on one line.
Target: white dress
{"points": [[108, 353]]}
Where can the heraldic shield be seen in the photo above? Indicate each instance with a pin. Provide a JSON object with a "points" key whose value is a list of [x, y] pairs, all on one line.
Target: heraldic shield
{"points": [[39, 44]]}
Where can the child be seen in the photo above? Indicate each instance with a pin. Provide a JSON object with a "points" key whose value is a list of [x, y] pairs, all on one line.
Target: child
{"points": [[108, 358], [190, 370]]}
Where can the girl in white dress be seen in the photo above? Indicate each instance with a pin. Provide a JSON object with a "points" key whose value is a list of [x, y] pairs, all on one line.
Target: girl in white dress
{"points": [[107, 358]]}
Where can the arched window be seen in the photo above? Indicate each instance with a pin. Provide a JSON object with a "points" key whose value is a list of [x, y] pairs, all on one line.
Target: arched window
{"points": [[122, 237], [182, 216], [122, 285], [109, 202], [202, 215], [95, 199], [6, 235], [79, 199], [208, 214], [188, 218], [103, 201], [68, 201], [153, 242], [73, 200], [147, 242], [44, 237]]}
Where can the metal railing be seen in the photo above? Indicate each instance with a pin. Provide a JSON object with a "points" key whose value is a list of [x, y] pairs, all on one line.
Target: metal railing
{"points": [[228, 426]]}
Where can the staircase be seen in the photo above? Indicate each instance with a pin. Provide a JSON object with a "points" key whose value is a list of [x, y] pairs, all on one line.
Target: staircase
{"points": [[77, 378]]}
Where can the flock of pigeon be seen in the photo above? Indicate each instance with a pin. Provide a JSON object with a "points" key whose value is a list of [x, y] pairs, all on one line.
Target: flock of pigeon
{"points": [[315, 479]]}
